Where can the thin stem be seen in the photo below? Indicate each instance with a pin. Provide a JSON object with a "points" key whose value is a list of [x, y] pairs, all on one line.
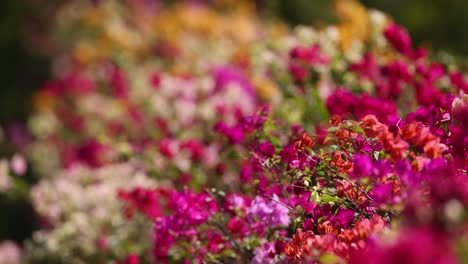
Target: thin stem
{"points": [[279, 202]]}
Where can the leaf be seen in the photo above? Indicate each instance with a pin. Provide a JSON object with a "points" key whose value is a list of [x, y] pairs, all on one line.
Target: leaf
{"points": [[328, 258]]}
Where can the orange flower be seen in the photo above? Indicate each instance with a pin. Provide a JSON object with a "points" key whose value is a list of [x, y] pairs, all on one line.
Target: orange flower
{"points": [[433, 149], [335, 120], [327, 228], [416, 133], [395, 146], [371, 126], [421, 136], [305, 143], [347, 190], [341, 164], [294, 249], [43, 101]]}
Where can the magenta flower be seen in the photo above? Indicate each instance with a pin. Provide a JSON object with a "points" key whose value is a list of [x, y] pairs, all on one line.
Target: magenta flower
{"points": [[225, 75], [298, 72], [340, 102], [234, 134], [427, 93], [143, 200], [119, 84], [367, 68], [382, 193], [130, 259], [459, 81], [421, 245], [399, 39], [342, 219], [311, 55], [91, 153]]}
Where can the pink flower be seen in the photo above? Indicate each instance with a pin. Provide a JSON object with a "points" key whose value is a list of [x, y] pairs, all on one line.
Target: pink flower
{"points": [[130, 259], [311, 55], [10, 253], [340, 102], [18, 165], [119, 84], [367, 68], [399, 39], [144, 200], [460, 111], [91, 152], [421, 245], [459, 81], [271, 213], [298, 72]]}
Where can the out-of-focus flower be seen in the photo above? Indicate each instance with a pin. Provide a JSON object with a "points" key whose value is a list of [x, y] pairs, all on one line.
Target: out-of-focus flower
{"points": [[399, 39], [18, 165], [5, 181], [10, 253], [82, 206], [460, 111], [421, 245], [270, 213]]}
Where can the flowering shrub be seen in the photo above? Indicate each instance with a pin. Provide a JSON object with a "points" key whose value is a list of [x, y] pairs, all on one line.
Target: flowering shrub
{"points": [[81, 210], [208, 145]]}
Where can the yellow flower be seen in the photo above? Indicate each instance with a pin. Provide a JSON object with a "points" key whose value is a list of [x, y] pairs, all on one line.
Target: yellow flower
{"points": [[42, 101], [354, 22], [266, 89], [86, 52], [94, 17]]}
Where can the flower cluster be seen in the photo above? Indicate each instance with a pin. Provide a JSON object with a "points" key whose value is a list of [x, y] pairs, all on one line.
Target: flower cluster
{"points": [[80, 209]]}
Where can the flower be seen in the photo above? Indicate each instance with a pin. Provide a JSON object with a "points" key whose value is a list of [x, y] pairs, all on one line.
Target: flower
{"points": [[399, 39], [143, 200], [419, 245], [264, 254], [460, 111], [270, 213], [10, 253], [18, 165]]}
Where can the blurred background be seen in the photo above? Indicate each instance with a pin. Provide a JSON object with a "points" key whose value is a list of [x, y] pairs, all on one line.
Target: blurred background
{"points": [[437, 24], [24, 64]]}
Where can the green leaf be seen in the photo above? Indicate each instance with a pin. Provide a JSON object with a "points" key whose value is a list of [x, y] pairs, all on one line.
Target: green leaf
{"points": [[328, 258]]}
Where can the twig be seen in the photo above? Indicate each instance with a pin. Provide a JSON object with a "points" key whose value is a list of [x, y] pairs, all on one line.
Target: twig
{"points": [[352, 183], [279, 202]]}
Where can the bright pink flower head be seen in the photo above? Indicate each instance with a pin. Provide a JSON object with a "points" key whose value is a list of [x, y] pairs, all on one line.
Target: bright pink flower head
{"points": [[155, 80], [310, 55], [298, 72], [459, 81], [399, 39], [91, 153], [430, 72], [422, 246], [168, 148], [367, 68], [144, 200], [119, 84], [234, 134], [427, 93], [130, 259], [78, 83], [340, 102], [225, 75]]}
